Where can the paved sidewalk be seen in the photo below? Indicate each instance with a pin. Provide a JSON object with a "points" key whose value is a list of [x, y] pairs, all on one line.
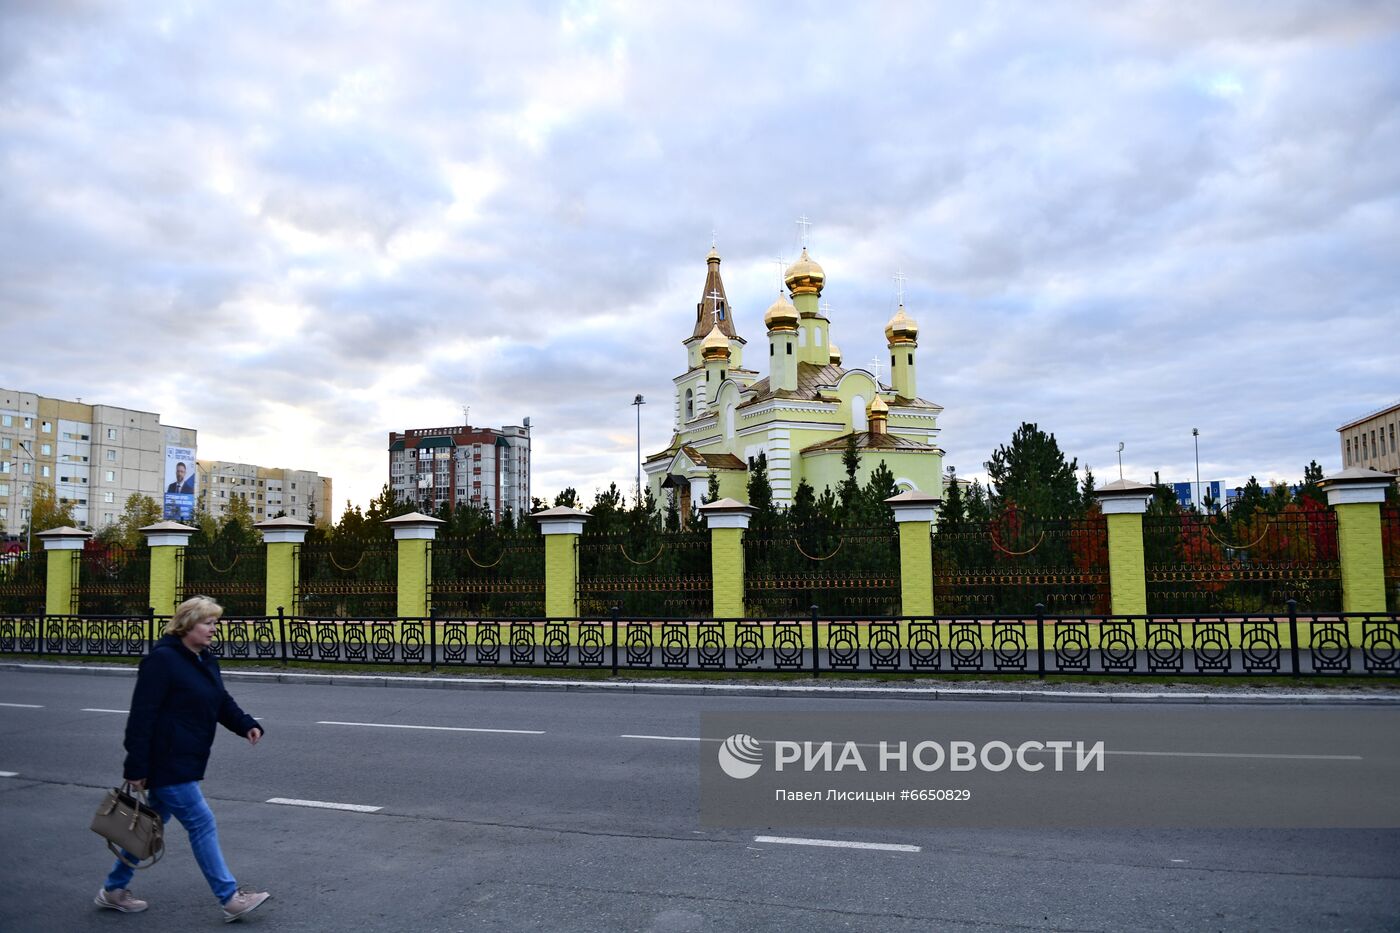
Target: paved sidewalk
{"points": [[832, 687]]}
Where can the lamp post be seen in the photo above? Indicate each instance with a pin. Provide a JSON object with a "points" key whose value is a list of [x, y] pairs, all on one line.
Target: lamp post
{"points": [[1196, 440], [638, 402]]}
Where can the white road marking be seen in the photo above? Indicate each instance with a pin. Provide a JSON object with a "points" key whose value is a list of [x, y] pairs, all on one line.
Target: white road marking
{"points": [[395, 725], [91, 710], [670, 738], [839, 844], [9, 774], [1238, 755], [324, 805], [22, 705]]}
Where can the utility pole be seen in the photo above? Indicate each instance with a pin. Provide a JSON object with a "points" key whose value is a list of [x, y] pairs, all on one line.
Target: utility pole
{"points": [[638, 402], [1196, 439]]}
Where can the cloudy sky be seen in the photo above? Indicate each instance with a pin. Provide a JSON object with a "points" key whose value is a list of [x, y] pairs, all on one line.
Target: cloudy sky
{"points": [[296, 227]]}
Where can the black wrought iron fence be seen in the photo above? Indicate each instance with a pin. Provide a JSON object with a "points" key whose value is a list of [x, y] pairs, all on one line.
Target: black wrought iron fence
{"points": [[1211, 563], [233, 575], [1390, 554], [1288, 644], [115, 580], [646, 572], [854, 571], [1013, 563], [347, 579], [22, 582], [489, 574]]}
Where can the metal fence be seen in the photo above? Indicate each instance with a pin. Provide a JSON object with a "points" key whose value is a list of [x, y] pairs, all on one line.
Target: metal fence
{"points": [[1289, 644], [1390, 550], [22, 582], [347, 580], [1016, 562], [1210, 563], [233, 575], [115, 580], [855, 571], [490, 574], [646, 572]]}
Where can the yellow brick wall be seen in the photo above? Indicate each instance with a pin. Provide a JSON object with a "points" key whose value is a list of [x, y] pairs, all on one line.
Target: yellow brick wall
{"points": [[1363, 571], [61, 584], [281, 579], [561, 576], [165, 581], [413, 577], [915, 568], [727, 572], [1126, 572]]}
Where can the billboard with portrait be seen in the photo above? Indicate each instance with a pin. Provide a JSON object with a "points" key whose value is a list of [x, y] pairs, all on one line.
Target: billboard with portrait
{"points": [[180, 473]]}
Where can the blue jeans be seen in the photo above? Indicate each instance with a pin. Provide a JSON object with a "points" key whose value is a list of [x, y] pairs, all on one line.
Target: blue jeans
{"points": [[186, 804]]}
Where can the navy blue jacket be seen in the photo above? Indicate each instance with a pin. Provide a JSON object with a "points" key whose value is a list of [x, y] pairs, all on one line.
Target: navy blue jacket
{"points": [[179, 699]]}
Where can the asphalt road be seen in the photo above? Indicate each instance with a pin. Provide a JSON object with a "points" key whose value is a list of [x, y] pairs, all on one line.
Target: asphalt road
{"points": [[560, 822]]}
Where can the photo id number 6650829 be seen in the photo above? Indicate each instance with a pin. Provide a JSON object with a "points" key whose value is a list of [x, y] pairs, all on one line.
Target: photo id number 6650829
{"points": [[937, 794]]}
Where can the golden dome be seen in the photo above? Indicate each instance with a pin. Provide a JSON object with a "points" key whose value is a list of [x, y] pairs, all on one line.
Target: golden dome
{"points": [[781, 315], [835, 354], [714, 255], [901, 328], [805, 277], [878, 407], [716, 345]]}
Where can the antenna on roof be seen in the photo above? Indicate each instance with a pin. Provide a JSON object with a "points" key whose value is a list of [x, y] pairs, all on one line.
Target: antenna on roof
{"points": [[467, 415]]}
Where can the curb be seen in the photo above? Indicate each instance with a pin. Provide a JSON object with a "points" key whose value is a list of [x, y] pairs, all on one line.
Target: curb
{"points": [[975, 694]]}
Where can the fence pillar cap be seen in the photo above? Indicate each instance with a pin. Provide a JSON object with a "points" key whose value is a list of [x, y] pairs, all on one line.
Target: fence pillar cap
{"points": [[726, 513], [561, 520], [66, 538], [1124, 497], [1356, 484], [284, 530], [413, 526], [163, 534], [914, 506]]}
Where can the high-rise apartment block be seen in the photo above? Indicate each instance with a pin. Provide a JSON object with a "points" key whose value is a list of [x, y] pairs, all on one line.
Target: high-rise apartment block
{"points": [[93, 456], [268, 491], [487, 467]]}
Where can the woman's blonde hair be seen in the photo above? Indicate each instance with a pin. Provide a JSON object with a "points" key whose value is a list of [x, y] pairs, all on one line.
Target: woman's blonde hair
{"points": [[191, 612]]}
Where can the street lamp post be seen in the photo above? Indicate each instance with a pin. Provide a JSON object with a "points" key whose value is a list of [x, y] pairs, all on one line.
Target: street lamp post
{"points": [[1196, 439], [638, 402]]}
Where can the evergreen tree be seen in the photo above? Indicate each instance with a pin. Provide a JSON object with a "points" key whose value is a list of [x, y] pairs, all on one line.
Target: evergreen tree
{"points": [[978, 508], [804, 506], [712, 489], [1312, 476], [760, 492], [849, 493], [1086, 489], [568, 498], [878, 488], [1250, 500], [952, 516], [1032, 473], [673, 512]]}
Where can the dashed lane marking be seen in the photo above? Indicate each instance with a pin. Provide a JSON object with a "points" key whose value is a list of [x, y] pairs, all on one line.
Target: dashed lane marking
{"points": [[95, 710], [324, 805], [396, 725], [838, 844]]}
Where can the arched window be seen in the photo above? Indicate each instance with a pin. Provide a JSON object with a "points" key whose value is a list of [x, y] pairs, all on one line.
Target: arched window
{"points": [[858, 414], [689, 404]]}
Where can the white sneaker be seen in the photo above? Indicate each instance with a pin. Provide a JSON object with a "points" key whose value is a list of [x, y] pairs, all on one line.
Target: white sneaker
{"points": [[120, 899], [243, 903]]}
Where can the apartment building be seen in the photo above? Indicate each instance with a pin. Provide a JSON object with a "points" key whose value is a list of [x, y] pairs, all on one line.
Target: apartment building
{"points": [[93, 456], [268, 491], [487, 467], [1371, 442]]}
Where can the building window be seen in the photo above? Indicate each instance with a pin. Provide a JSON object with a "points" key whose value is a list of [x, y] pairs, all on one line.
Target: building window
{"points": [[5, 466], [28, 468], [689, 403], [46, 450], [44, 471], [46, 427], [111, 455], [4, 489], [29, 422], [4, 443], [7, 421], [107, 497], [1392, 439], [111, 434], [111, 476]]}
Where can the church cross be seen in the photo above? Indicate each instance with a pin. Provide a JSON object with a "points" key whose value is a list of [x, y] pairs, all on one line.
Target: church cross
{"points": [[899, 280], [804, 223], [716, 297], [825, 308], [877, 364], [782, 267]]}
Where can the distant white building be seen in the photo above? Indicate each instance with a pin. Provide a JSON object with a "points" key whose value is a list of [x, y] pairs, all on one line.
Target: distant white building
{"points": [[269, 491]]}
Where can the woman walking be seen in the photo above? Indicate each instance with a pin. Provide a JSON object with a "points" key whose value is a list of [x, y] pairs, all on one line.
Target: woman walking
{"points": [[179, 699]]}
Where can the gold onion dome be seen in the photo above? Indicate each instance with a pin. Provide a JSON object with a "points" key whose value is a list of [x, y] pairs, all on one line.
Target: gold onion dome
{"points": [[781, 315], [835, 355], [714, 255], [878, 407], [901, 328], [805, 277], [716, 345]]}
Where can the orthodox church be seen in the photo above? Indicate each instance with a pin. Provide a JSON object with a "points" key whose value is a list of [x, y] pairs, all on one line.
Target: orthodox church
{"points": [[802, 414]]}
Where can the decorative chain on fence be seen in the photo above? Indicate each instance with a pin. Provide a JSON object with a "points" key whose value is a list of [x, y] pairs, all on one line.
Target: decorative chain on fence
{"points": [[1210, 563], [493, 574], [645, 572], [1014, 562], [348, 579], [854, 571], [22, 582], [115, 580], [235, 576]]}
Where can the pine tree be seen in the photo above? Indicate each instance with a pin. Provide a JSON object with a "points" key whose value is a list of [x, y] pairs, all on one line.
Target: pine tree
{"points": [[1032, 473], [760, 492], [1086, 489], [952, 516], [849, 493], [712, 489], [567, 499]]}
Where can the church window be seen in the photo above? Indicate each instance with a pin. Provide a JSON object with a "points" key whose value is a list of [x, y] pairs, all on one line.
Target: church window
{"points": [[689, 403], [789, 346], [858, 414], [911, 359], [721, 375], [817, 337], [719, 310], [891, 361], [770, 349]]}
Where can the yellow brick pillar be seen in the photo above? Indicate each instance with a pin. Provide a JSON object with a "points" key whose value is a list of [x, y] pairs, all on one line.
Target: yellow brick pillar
{"points": [[1356, 496], [1123, 503], [561, 527], [64, 547], [915, 513], [727, 519], [283, 538], [166, 540], [414, 532]]}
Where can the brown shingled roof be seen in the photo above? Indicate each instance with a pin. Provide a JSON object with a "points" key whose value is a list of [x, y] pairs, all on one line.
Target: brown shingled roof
{"points": [[868, 441], [714, 461], [705, 310]]}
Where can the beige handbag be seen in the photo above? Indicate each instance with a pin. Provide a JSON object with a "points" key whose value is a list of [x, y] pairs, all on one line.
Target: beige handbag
{"points": [[125, 819]]}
